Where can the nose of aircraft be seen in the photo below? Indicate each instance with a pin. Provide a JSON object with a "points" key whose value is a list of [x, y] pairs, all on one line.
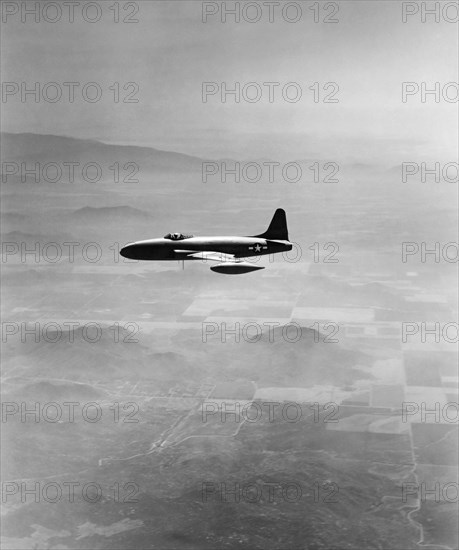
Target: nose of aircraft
{"points": [[144, 250], [128, 251]]}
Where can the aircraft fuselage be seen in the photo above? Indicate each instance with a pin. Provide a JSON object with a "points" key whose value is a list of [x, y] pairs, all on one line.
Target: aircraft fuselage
{"points": [[166, 249]]}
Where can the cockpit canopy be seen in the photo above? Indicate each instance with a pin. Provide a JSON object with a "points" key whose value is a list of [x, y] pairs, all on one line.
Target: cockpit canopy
{"points": [[177, 236]]}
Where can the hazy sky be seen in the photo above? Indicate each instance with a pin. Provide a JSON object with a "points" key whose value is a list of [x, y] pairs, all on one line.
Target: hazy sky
{"points": [[170, 52]]}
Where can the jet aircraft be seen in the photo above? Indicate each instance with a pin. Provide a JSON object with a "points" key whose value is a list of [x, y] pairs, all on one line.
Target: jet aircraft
{"points": [[228, 252]]}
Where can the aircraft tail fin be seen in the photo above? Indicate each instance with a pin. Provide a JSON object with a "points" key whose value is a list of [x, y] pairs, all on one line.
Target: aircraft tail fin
{"points": [[277, 229]]}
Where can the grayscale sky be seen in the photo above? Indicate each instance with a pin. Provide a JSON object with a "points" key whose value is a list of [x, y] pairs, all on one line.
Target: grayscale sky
{"points": [[170, 52]]}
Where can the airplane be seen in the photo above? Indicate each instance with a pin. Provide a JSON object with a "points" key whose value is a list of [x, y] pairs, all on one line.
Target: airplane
{"points": [[227, 251]]}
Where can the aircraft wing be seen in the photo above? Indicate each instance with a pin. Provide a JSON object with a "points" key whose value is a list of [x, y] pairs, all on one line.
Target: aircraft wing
{"points": [[213, 256], [227, 263]]}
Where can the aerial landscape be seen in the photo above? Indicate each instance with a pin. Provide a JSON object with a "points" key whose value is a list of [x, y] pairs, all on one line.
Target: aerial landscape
{"points": [[309, 405]]}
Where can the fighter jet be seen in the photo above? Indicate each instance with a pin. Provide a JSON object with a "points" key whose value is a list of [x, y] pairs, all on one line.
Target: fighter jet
{"points": [[228, 252]]}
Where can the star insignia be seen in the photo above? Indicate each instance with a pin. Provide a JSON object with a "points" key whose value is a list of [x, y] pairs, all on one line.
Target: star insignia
{"points": [[257, 247]]}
